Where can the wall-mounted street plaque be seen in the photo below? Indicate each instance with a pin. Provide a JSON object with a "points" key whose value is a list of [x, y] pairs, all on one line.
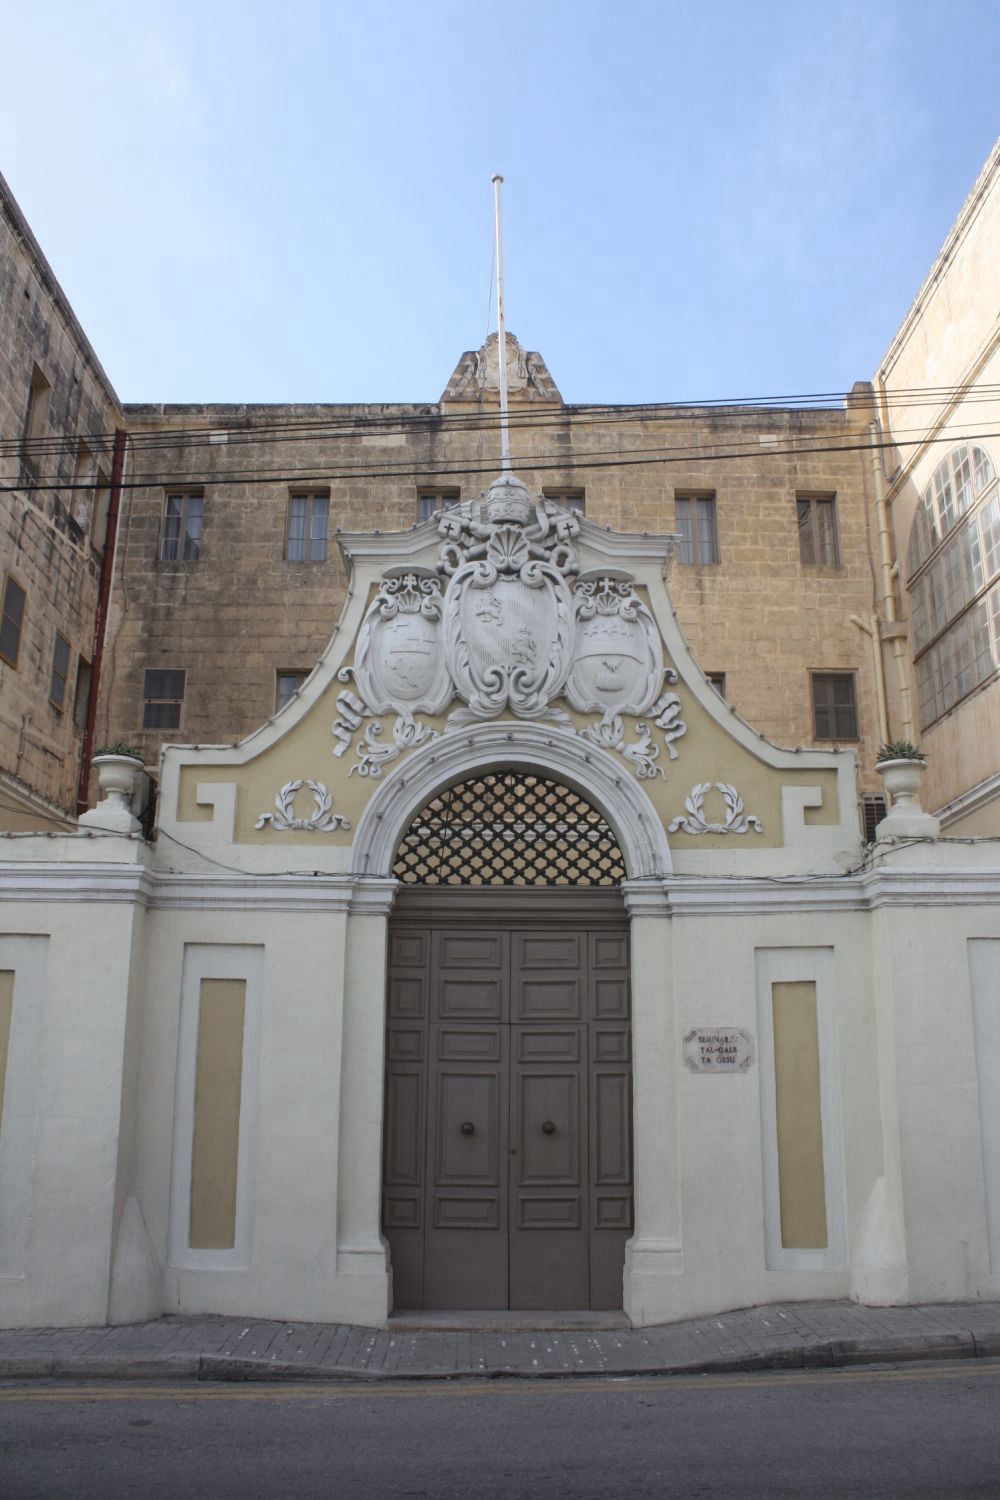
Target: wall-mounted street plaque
{"points": [[718, 1049]]}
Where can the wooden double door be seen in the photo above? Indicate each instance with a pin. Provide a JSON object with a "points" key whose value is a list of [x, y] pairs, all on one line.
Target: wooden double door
{"points": [[508, 1151]]}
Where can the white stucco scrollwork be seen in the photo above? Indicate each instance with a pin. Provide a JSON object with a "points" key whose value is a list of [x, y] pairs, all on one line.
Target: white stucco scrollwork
{"points": [[735, 820], [374, 753], [545, 750], [322, 820]]}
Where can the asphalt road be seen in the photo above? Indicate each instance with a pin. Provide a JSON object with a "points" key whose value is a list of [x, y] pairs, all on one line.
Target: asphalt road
{"points": [[913, 1431]]}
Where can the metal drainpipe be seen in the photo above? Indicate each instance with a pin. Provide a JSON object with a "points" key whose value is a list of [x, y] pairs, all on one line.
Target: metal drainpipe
{"points": [[888, 593], [871, 629], [101, 614]]}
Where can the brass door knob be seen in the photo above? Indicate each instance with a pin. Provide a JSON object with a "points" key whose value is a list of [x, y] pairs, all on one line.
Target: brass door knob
{"points": [[549, 1128], [468, 1128]]}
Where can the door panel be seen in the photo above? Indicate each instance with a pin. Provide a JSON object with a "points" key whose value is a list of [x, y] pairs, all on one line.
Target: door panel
{"points": [[508, 1116]]}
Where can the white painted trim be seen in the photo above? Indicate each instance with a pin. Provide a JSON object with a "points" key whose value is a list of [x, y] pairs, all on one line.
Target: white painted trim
{"points": [[488, 747], [216, 961], [984, 975], [970, 801], [27, 957], [784, 965], [680, 895], [57, 881]]}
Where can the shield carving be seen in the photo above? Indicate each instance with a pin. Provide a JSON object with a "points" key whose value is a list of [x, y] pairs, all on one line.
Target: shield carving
{"points": [[617, 665], [399, 663], [508, 636]]}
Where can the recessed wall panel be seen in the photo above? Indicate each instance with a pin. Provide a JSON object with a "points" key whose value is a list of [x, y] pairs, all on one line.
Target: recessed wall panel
{"points": [[217, 1099]]}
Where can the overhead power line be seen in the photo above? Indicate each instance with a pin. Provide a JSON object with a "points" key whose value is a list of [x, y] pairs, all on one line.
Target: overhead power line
{"points": [[559, 463], [391, 420]]}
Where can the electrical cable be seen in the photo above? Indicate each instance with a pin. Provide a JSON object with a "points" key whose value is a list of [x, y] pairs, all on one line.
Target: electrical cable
{"points": [[396, 421], [557, 464]]}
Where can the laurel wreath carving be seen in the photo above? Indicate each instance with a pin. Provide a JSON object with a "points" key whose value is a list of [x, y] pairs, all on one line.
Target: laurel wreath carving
{"points": [[322, 820], [694, 822]]}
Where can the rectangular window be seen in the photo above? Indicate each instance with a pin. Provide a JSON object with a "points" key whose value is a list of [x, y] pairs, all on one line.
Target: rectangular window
{"points": [[84, 469], [182, 522], [36, 420], [575, 500], [308, 524], [287, 685], [163, 694], [817, 517], [12, 620], [835, 706], [694, 520], [60, 672], [81, 697], [873, 810], [718, 681], [429, 502]]}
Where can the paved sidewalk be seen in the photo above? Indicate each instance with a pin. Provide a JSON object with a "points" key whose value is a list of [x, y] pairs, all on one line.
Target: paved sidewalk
{"points": [[792, 1335]]}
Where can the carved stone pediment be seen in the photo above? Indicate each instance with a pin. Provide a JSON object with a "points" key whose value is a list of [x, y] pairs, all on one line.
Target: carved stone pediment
{"points": [[505, 625]]}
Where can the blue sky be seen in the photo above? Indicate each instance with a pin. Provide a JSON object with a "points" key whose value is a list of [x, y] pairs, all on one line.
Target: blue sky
{"points": [[292, 201]]}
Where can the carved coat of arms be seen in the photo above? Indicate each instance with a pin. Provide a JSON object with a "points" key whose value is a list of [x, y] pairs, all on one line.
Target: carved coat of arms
{"points": [[617, 665], [399, 665], [505, 624], [508, 611]]}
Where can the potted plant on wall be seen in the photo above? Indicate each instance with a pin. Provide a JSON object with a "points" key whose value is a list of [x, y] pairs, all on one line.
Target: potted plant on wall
{"points": [[118, 766], [902, 765]]}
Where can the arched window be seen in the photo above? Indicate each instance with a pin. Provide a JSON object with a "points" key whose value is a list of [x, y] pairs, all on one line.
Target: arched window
{"points": [[953, 564], [509, 828]]}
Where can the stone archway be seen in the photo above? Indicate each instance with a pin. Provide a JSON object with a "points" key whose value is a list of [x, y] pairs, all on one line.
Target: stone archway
{"points": [[615, 792], [653, 1250]]}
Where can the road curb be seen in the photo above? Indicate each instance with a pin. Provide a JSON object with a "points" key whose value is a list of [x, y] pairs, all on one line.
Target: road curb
{"points": [[223, 1368]]}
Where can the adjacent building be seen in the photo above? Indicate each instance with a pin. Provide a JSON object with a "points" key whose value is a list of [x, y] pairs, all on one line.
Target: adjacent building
{"points": [[58, 416]]}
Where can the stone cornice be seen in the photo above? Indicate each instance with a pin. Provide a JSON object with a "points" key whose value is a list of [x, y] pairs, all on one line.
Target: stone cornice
{"points": [[694, 896]]}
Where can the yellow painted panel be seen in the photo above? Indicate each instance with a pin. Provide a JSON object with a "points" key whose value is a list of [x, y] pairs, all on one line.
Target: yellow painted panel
{"points": [[217, 1096], [801, 1184], [6, 1012]]}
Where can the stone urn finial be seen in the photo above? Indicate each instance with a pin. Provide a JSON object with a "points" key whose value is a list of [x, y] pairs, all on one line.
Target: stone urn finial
{"points": [[118, 767], [902, 768]]}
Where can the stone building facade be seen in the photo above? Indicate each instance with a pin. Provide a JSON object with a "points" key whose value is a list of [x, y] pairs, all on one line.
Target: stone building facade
{"points": [[768, 604], [487, 952], [58, 413]]}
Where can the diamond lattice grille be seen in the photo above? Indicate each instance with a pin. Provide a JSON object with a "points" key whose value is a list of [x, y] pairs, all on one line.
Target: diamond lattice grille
{"points": [[509, 829]]}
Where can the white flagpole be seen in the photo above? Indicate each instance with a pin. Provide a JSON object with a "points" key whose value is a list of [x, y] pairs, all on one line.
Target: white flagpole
{"points": [[501, 326]]}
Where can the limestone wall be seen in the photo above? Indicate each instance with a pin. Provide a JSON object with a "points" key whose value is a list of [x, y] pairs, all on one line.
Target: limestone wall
{"points": [[49, 542], [242, 612]]}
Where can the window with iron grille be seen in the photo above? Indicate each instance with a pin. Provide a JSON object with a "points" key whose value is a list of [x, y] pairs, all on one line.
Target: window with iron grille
{"points": [[509, 828], [817, 518], [873, 810], [183, 515], [163, 695], [430, 502], [835, 706], [694, 520], [12, 620], [60, 671], [308, 525]]}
